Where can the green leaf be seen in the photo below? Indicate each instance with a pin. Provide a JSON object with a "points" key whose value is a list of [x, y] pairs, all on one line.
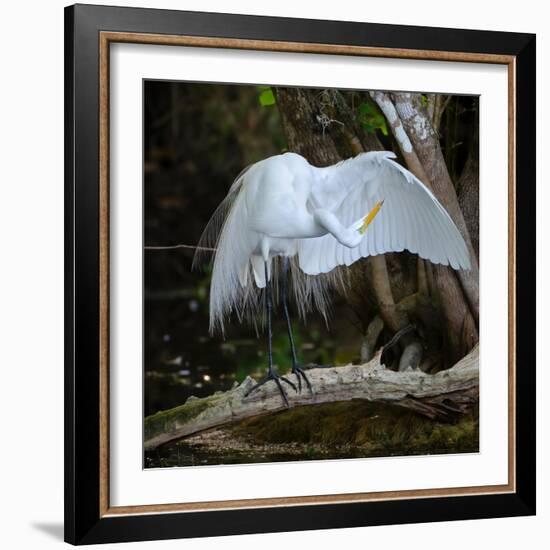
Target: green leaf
{"points": [[267, 98], [365, 108], [371, 118]]}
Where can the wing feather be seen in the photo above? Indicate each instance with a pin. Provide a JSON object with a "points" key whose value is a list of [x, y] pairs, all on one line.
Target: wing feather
{"points": [[410, 219], [435, 236], [395, 221]]}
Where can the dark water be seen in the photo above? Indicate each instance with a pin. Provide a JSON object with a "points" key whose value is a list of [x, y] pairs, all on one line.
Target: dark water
{"points": [[187, 455], [183, 359]]}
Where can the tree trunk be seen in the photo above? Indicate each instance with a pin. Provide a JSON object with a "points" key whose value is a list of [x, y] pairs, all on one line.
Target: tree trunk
{"points": [[386, 105], [468, 194], [304, 133], [368, 345], [437, 103]]}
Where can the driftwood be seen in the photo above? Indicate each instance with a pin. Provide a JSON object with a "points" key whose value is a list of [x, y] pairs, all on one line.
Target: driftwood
{"points": [[441, 396]]}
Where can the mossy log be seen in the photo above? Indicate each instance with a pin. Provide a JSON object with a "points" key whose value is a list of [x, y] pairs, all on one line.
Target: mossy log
{"points": [[440, 396]]}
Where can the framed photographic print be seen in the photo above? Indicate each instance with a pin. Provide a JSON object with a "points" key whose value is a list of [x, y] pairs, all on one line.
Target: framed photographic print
{"points": [[299, 274]]}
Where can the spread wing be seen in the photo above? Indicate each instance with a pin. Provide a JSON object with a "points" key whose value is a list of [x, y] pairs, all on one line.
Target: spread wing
{"points": [[411, 218]]}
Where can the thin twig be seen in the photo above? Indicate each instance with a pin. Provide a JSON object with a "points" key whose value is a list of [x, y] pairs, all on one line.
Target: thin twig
{"points": [[175, 246]]}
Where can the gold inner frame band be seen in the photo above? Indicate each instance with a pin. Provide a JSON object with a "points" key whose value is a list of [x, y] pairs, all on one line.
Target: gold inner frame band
{"points": [[105, 39]]}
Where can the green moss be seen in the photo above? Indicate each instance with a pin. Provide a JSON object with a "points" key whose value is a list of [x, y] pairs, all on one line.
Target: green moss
{"points": [[377, 429], [169, 420]]}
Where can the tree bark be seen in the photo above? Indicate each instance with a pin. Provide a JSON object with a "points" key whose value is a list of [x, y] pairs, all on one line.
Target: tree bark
{"points": [[468, 194], [304, 133], [387, 106], [437, 103], [368, 345], [439, 396]]}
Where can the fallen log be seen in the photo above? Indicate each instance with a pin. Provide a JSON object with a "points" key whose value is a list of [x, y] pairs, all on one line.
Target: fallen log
{"points": [[439, 396]]}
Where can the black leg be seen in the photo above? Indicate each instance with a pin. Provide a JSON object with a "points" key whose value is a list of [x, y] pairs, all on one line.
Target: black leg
{"points": [[269, 313], [271, 372], [296, 369]]}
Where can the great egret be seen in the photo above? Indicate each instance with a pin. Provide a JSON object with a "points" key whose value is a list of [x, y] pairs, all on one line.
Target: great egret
{"points": [[316, 219]]}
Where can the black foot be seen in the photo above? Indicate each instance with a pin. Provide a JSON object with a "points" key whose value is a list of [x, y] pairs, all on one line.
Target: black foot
{"points": [[299, 372], [273, 375]]}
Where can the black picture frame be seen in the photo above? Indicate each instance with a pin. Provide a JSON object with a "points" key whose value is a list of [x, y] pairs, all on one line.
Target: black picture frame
{"points": [[84, 524]]}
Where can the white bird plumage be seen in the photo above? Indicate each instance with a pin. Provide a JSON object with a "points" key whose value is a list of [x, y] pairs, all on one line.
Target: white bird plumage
{"points": [[285, 207]]}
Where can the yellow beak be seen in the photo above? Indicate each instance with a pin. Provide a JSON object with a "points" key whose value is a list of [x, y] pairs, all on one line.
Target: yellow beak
{"points": [[370, 216]]}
